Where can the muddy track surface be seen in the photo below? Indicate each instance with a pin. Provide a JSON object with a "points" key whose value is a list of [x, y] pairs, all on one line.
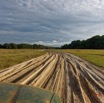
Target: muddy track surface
{"points": [[72, 78]]}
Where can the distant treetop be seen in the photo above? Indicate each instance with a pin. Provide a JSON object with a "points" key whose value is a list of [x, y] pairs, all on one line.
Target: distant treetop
{"points": [[23, 46], [96, 42]]}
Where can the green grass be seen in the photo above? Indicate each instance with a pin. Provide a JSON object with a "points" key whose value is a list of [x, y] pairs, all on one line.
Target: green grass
{"points": [[94, 56], [10, 57]]}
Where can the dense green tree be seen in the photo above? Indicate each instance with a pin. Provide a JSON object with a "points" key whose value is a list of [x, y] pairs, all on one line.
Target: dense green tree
{"points": [[96, 42], [23, 46], [1, 46], [65, 46]]}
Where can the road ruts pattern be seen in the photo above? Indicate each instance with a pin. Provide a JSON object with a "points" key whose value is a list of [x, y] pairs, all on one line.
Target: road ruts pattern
{"points": [[72, 78]]}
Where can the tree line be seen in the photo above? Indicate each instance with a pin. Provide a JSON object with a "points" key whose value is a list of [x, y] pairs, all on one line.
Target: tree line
{"points": [[23, 46], [95, 42]]}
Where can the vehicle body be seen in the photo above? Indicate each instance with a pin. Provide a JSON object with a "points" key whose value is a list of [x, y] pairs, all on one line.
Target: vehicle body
{"points": [[13, 93]]}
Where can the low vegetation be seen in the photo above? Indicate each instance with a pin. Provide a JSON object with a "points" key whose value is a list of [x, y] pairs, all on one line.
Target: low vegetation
{"points": [[10, 57]]}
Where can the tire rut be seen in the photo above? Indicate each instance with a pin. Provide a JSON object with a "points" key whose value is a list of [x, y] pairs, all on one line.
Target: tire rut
{"points": [[72, 78]]}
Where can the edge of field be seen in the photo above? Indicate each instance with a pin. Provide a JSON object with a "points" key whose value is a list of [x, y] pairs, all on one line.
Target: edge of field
{"points": [[95, 57], [10, 57]]}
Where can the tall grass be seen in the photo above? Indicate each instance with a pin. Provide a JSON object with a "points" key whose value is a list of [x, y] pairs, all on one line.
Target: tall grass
{"points": [[10, 57]]}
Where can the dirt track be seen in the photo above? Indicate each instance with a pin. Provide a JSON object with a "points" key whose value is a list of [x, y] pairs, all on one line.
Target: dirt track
{"points": [[73, 79]]}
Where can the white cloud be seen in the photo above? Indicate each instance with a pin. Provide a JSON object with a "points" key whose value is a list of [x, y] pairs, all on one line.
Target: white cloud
{"points": [[53, 43]]}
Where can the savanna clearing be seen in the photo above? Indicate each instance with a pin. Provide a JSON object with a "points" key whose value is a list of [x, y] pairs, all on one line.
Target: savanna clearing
{"points": [[10, 57]]}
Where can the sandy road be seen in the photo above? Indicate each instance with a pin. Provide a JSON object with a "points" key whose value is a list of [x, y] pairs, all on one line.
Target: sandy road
{"points": [[72, 78]]}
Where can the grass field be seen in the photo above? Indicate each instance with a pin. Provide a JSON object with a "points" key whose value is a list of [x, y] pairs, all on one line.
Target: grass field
{"points": [[94, 56], [9, 57]]}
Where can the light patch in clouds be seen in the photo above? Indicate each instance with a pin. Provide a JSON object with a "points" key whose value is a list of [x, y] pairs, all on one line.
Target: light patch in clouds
{"points": [[53, 43], [55, 21]]}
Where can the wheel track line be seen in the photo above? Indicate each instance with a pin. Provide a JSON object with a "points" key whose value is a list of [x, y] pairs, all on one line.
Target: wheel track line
{"points": [[97, 69], [67, 97], [33, 82], [76, 92], [14, 71], [99, 84], [28, 76], [11, 69], [67, 75], [8, 70], [37, 72], [76, 74], [83, 93], [88, 79], [91, 77], [56, 76], [63, 94], [45, 83], [101, 71], [25, 71], [49, 76], [50, 73], [50, 83], [61, 80], [18, 66], [99, 78], [31, 69], [55, 86], [89, 90], [88, 63], [99, 74], [79, 82], [40, 82], [58, 83]]}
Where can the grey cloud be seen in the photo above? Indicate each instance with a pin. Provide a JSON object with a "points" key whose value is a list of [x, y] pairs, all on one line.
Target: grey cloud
{"points": [[50, 20]]}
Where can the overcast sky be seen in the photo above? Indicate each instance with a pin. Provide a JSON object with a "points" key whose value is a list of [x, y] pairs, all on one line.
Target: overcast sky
{"points": [[50, 22]]}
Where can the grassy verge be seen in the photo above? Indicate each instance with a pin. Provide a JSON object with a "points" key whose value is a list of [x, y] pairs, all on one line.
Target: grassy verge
{"points": [[94, 56], [10, 57]]}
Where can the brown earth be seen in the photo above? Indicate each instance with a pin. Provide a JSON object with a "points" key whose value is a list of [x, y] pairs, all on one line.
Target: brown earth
{"points": [[72, 78]]}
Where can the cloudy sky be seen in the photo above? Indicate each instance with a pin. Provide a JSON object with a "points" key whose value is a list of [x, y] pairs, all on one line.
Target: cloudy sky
{"points": [[50, 22]]}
